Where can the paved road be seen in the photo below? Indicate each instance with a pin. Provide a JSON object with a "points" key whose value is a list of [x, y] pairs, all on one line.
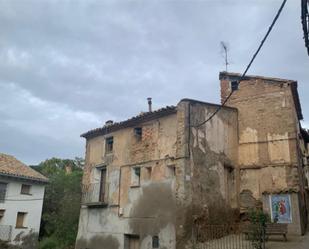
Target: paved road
{"points": [[292, 243]]}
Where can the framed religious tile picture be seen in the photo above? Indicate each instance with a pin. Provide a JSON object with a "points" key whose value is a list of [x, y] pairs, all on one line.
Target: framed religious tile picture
{"points": [[280, 206]]}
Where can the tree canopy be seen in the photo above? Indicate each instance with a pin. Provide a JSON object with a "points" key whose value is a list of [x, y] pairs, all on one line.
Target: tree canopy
{"points": [[61, 206]]}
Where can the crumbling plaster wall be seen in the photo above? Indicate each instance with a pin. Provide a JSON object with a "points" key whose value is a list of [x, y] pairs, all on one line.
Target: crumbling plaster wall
{"points": [[146, 210], [208, 173], [213, 154]]}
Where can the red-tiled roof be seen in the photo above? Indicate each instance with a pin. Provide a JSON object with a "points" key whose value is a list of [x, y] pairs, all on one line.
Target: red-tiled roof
{"points": [[12, 167], [143, 117]]}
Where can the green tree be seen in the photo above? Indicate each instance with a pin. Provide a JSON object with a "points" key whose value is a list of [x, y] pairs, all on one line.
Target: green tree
{"points": [[61, 202]]}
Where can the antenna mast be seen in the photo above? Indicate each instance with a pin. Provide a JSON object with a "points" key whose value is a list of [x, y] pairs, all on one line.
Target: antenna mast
{"points": [[225, 50]]}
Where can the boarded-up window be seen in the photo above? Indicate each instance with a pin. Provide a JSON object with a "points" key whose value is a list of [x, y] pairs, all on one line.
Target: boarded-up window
{"points": [[3, 187], [20, 221], [25, 189]]}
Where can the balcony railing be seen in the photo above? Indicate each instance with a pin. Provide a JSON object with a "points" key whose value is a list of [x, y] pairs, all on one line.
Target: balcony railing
{"points": [[5, 232], [93, 194]]}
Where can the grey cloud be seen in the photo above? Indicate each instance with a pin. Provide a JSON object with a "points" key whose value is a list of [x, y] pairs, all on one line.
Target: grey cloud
{"points": [[101, 59]]}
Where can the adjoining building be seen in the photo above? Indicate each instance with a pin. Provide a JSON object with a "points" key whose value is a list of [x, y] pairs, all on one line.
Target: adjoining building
{"points": [[21, 200], [273, 148], [150, 180]]}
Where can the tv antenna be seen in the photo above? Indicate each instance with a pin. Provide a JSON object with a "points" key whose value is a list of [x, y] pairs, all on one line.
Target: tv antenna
{"points": [[225, 50]]}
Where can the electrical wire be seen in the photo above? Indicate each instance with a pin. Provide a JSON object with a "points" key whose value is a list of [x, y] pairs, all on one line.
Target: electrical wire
{"points": [[248, 66], [305, 22]]}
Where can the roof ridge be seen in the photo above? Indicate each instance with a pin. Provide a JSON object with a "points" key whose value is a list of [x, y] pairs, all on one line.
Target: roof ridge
{"points": [[142, 117]]}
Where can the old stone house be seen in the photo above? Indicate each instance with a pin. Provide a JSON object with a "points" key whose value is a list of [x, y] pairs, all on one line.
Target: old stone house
{"points": [[150, 180]]}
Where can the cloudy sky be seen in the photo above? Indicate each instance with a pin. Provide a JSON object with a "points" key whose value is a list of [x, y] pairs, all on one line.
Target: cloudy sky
{"points": [[68, 66]]}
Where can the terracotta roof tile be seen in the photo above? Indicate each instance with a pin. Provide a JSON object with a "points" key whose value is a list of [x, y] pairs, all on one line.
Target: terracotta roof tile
{"points": [[10, 166], [143, 117]]}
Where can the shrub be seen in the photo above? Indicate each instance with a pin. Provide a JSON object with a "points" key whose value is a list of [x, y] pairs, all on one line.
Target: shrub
{"points": [[49, 243], [258, 220]]}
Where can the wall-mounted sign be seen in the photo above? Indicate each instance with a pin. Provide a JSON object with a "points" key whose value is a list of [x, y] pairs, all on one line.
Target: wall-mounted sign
{"points": [[280, 206]]}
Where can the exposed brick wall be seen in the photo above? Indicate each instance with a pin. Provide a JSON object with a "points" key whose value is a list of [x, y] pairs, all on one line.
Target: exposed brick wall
{"points": [[225, 88], [144, 149]]}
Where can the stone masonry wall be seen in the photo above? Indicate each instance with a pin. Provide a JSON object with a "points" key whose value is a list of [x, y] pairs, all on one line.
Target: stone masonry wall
{"points": [[268, 138], [267, 135]]}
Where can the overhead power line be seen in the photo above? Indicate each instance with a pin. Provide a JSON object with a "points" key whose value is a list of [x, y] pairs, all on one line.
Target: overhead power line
{"points": [[305, 21], [248, 66]]}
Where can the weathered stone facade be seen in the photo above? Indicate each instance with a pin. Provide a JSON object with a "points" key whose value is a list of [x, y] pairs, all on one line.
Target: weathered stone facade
{"points": [[271, 143], [150, 181]]}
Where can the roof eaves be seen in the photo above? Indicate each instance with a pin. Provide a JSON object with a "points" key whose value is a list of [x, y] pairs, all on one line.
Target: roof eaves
{"points": [[238, 75], [144, 117], [210, 104], [16, 176]]}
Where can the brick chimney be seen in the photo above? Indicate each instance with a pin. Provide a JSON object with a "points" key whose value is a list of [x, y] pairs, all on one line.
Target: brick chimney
{"points": [[224, 86], [226, 82]]}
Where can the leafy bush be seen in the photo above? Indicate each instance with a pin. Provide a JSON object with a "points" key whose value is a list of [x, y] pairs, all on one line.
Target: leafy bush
{"points": [[49, 243], [258, 220]]}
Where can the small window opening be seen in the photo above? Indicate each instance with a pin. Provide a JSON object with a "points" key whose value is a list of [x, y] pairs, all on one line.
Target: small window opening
{"points": [[20, 221], [109, 144], [25, 189], [138, 133], [155, 242], [2, 211], [135, 176], [171, 171], [234, 85], [3, 187]]}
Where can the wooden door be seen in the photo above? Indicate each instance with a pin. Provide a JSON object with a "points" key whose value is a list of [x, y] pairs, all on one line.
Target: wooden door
{"points": [[134, 242], [102, 185]]}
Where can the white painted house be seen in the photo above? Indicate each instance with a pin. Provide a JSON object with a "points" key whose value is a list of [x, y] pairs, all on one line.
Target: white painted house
{"points": [[21, 199]]}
